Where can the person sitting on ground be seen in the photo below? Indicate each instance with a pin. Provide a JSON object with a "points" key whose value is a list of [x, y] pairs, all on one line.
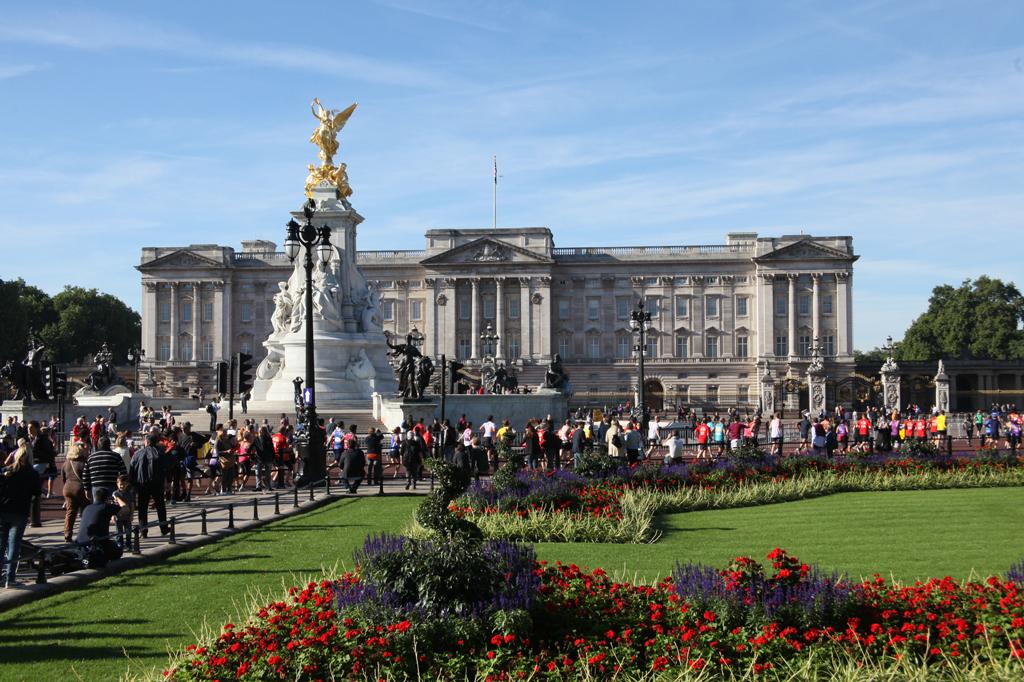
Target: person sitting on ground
{"points": [[94, 531]]}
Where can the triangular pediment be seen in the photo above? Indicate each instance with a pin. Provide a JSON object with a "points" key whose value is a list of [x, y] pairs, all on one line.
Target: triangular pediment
{"points": [[805, 249], [182, 258], [486, 250]]}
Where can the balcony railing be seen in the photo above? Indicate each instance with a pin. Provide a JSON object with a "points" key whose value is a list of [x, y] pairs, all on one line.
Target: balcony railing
{"points": [[620, 252], [391, 255]]}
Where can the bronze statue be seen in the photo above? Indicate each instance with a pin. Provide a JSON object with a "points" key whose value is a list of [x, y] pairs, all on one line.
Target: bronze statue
{"points": [[103, 376], [27, 376], [555, 377], [413, 371]]}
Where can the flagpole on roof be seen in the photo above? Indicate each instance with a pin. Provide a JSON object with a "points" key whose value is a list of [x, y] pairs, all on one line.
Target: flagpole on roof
{"points": [[494, 198]]}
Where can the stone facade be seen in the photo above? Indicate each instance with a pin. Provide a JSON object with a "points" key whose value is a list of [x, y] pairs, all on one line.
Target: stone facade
{"points": [[721, 314]]}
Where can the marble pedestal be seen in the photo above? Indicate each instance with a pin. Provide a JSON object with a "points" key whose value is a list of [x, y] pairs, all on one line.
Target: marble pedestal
{"points": [[517, 408]]}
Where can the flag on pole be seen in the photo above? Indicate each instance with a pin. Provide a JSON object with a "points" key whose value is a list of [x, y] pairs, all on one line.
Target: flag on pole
{"points": [[495, 169]]}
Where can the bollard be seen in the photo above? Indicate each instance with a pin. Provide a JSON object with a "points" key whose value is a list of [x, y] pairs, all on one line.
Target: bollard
{"points": [[431, 480], [277, 503], [41, 573], [380, 476], [37, 520], [949, 445], [202, 518], [295, 503], [255, 509], [231, 516], [310, 492], [328, 479], [173, 540], [138, 534]]}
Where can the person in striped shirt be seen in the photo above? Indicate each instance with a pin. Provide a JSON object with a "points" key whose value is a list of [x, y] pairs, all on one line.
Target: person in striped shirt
{"points": [[102, 469]]}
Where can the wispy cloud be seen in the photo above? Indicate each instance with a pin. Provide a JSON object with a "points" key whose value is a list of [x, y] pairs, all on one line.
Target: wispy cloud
{"points": [[100, 32], [17, 70]]}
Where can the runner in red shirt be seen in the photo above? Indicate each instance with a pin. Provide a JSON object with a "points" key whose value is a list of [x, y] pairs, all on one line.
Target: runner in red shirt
{"points": [[702, 432], [863, 433], [921, 429]]}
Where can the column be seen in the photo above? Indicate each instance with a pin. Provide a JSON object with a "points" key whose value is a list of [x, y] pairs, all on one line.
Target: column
{"points": [[175, 317], [697, 311], [525, 319], [499, 315], [816, 305], [727, 312], [197, 315], [843, 314], [228, 330], [765, 314], [150, 319], [447, 300], [791, 315], [544, 344], [218, 321], [430, 336], [474, 319]]}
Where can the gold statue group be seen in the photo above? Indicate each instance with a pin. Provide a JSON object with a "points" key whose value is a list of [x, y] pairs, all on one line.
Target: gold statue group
{"points": [[326, 138]]}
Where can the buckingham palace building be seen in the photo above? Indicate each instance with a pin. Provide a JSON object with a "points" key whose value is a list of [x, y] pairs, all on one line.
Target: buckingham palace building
{"points": [[721, 314]]}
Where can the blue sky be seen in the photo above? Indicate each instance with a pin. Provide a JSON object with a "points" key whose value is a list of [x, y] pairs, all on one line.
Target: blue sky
{"points": [[900, 123]]}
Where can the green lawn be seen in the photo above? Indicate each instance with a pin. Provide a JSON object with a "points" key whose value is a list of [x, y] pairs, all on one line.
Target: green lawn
{"points": [[87, 634]]}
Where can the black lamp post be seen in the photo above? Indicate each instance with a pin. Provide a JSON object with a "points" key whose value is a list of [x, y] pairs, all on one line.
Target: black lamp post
{"points": [[489, 340], [416, 338], [319, 239], [135, 358], [640, 320]]}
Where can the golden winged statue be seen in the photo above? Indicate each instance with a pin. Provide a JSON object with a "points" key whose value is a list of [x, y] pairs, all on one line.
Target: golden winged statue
{"points": [[326, 138]]}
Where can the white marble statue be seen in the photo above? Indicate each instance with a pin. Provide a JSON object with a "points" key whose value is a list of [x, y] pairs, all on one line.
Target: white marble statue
{"points": [[326, 303], [282, 310], [360, 367]]}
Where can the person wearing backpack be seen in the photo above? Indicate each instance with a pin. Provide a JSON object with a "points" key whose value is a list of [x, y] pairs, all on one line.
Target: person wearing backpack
{"points": [[614, 439], [147, 474]]}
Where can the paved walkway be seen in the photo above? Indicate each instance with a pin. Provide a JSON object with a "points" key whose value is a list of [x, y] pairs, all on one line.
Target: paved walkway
{"points": [[244, 510]]}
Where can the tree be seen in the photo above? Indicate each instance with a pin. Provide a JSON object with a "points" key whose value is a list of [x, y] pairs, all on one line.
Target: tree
{"points": [[979, 319], [24, 306], [85, 319]]}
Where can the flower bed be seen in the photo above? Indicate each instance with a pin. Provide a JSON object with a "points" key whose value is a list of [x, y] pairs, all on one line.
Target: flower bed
{"points": [[565, 506], [562, 622]]}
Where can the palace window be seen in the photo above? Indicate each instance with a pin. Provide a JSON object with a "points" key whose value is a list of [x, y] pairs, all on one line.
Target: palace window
{"points": [[387, 309], [622, 308], [185, 348], [805, 304], [684, 393], [826, 304], [245, 347], [623, 346], [711, 306], [247, 312], [743, 394], [464, 349], [465, 309], [165, 312], [711, 347], [653, 306], [207, 350], [512, 306], [564, 343], [682, 346], [563, 309], [488, 307], [830, 345], [742, 347], [207, 312], [186, 311], [712, 393], [781, 346], [594, 347], [415, 309], [593, 309], [682, 306], [163, 352], [741, 306], [780, 306], [804, 345], [652, 347], [514, 351]]}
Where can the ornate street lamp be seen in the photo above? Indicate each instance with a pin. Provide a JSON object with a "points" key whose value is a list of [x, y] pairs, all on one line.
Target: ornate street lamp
{"points": [[639, 322], [135, 357], [416, 338], [317, 239], [489, 339]]}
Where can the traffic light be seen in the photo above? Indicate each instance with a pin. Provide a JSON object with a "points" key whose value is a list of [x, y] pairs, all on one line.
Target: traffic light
{"points": [[60, 384], [222, 378], [49, 379], [243, 365]]}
